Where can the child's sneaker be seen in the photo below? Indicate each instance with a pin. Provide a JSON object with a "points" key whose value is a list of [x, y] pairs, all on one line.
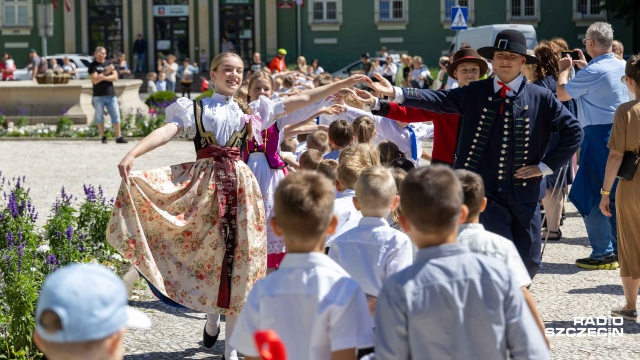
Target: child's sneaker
{"points": [[104, 139], [121, 140]]}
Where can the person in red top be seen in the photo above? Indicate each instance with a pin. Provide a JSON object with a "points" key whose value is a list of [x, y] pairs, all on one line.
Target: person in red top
{"points": [[278, 64], [467, 66]]}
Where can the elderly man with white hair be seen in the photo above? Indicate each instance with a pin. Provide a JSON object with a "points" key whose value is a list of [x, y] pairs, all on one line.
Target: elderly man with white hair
{"points": [[598, 91]]}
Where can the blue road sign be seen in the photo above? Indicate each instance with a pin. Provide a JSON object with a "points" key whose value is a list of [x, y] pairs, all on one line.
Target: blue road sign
{"points": [[459, 18]]}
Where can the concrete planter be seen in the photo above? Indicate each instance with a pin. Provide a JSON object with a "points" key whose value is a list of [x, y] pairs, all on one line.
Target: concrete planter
{"points": [[43, 103]]}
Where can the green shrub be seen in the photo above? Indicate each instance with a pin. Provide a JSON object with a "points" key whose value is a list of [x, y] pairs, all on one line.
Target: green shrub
{"points": [[206, 94], [161, 98]]}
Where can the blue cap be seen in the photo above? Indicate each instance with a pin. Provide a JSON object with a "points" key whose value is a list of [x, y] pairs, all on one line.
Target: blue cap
{"points": [[91, 302]]}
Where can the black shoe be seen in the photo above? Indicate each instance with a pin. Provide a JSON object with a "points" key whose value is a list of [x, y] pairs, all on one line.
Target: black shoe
{"points": [[121, 140], [104, 139], [607, 263], [553, 235], [209, 340]]}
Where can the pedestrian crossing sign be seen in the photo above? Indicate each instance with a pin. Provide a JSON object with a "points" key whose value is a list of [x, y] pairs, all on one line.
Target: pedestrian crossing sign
{"points": [[459, 17]]}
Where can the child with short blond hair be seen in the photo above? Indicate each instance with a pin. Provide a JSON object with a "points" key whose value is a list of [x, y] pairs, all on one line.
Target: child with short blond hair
{"points": [[319, 140], [310, 159], [329, 168], [451, 303], [351, 163], [316, 309], [372, 251]]}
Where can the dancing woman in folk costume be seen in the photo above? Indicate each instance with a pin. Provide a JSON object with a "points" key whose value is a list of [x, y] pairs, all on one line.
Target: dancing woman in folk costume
{"points": [[197, 231], [264, 160]]}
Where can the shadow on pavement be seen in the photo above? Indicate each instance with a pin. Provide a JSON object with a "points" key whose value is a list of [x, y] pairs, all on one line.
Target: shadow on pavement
{"points": [[600, 289], [560, 269], [183, 354], [158, 305]]}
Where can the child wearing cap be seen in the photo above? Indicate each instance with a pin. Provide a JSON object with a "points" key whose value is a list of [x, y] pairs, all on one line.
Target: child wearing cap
{"points": [[278, 63], [451, 303], [316, 309], [372, 251], [82, 313]]}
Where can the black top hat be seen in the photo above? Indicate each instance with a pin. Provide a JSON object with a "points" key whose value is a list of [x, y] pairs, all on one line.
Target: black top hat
{"points": [[467, 55], [509, 40]]}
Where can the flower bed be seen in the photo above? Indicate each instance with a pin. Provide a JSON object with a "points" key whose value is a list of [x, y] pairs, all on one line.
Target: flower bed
{"points": [[137, 124], [74, 232]]}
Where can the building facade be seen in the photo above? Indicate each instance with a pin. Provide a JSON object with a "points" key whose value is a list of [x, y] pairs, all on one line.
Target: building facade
{"points": [[334, 31]]}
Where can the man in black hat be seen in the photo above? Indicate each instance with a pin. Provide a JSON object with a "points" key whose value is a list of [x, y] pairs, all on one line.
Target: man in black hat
{"points": [[504, 137]]}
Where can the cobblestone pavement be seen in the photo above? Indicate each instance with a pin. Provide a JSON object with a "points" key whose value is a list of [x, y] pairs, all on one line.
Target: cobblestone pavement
{"points": [[562, 291]]}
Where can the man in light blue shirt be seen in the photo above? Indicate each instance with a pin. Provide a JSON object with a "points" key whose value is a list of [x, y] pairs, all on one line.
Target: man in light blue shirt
{"points": [[598, 91], [451, 303]]}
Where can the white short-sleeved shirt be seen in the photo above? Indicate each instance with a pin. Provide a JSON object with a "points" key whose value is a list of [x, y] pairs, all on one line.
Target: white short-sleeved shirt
{"points": [[221, 115], [481, 241], [312, 304], [371, 252], [346, 212]]}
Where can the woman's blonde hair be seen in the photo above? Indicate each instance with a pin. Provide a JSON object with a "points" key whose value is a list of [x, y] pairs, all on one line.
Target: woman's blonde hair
{"points": [[364, 129]]}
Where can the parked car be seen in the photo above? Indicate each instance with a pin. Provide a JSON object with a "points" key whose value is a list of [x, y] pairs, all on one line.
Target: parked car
{"points": [[481, 36], [82, 62], [357, 66]]}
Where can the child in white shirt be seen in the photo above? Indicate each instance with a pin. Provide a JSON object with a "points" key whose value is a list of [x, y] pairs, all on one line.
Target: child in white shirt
{"points": [[352, 162], [151, 83], [316, 309], [161, 83], [373, 251]]}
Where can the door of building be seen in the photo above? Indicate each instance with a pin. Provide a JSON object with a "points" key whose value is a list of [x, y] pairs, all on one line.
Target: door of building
{"points": [[105, 26], [172, 37], [237, 25]]}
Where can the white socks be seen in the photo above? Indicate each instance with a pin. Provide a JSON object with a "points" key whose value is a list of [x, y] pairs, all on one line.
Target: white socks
{"points": [[213, 321], [229, 352]]}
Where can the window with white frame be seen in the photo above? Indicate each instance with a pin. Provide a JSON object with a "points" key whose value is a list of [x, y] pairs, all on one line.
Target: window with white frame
{"points": [[588, 10], [523, 10], [15, 13], [325, 15], [325, 11], [391, 10], [447, 5]]}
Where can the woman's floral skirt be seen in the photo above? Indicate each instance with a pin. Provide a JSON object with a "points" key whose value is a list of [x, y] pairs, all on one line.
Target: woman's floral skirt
{"points": [[167, 225]]}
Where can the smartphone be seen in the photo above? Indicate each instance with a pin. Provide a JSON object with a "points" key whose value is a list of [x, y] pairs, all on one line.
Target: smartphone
{"points": [[572, 54]]}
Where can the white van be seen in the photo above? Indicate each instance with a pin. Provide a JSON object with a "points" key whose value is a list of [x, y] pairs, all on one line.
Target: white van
{"points": [[481, 36]]}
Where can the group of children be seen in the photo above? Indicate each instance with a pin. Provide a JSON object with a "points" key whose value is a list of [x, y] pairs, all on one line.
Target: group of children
{"points": [[383, 256]]}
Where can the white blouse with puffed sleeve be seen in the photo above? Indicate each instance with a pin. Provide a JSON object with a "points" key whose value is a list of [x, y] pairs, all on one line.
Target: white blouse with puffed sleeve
{"points": [[221, 115]]}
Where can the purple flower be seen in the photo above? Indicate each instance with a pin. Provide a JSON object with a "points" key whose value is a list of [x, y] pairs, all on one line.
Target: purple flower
{"points": [[22, 112], [51, 259], [9, 237], [69, 233], [59, 234], [63, 111]]}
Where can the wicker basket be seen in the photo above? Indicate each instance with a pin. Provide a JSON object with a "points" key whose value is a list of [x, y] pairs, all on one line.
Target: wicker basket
{"points": [[53, 79]]}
